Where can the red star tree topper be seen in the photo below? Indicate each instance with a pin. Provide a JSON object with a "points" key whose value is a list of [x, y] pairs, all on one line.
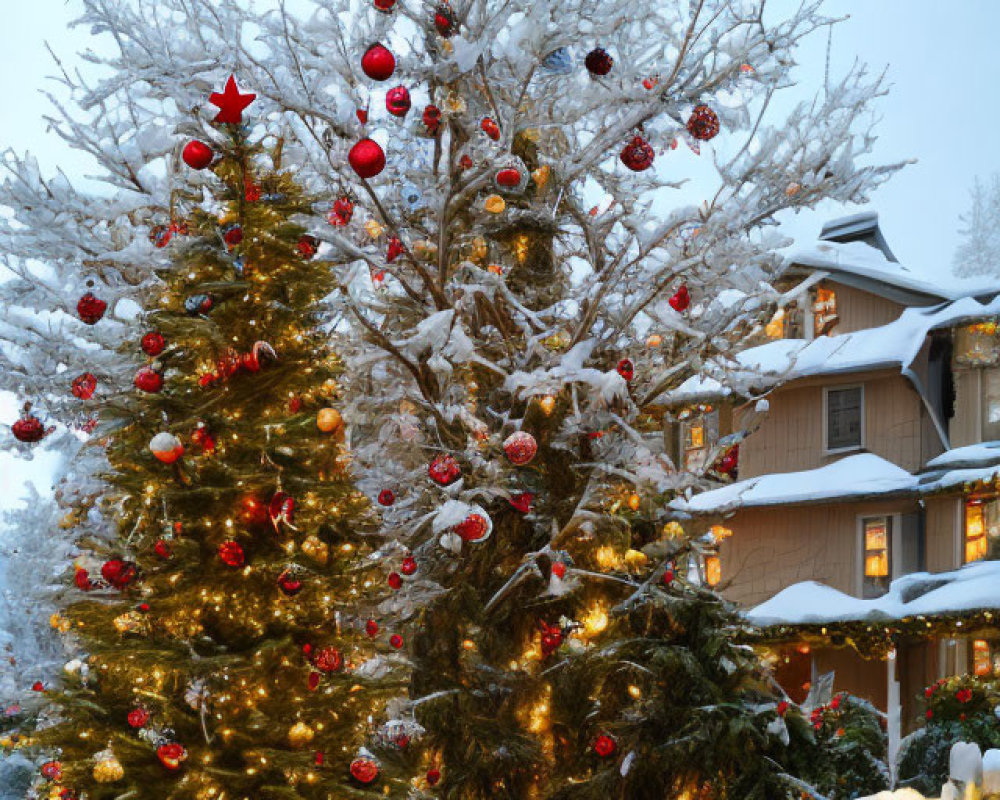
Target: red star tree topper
{"points": [[231, 102]]}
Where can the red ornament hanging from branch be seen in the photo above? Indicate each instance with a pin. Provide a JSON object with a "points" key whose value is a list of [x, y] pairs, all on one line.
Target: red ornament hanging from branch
{"points": [[637, 155], [703, 124], [367, 158], [378, 62]]}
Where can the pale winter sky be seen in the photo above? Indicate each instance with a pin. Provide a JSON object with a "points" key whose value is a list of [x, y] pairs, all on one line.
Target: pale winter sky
{"points": [[942, 109]]}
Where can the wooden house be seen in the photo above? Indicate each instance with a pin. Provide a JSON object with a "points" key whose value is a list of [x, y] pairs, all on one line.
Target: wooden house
{"points": [[868, 482]]}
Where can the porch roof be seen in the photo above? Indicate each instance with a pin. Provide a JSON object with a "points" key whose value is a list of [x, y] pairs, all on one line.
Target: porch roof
{"points": [[973, 587]]}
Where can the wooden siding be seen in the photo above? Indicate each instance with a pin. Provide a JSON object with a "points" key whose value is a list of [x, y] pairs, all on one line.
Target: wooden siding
{"points": [[852, 673], [897, 426], [772, 548], [859, 309], [942, 532]]}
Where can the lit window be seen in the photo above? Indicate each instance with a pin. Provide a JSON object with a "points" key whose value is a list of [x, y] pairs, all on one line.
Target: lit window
{"points": [[699, 433], [844, 412], [775, 329], [824, 309], [713, 570], [978, 344], [982, 664], [876, 537], [982, 522]]}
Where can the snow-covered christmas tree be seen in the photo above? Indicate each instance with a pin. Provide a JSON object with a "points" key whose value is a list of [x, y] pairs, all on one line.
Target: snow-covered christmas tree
{"points": [[522, 272]]}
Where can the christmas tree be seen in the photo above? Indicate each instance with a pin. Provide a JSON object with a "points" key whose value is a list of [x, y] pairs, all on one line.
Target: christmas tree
{"points": [[523, 283], [223, 650]]}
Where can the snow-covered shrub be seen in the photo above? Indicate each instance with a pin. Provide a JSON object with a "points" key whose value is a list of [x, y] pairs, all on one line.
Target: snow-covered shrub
{"points": [[962, 708]]}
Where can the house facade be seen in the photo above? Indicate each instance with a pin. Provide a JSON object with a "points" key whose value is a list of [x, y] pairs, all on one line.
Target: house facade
{"points": [[867, 478]]}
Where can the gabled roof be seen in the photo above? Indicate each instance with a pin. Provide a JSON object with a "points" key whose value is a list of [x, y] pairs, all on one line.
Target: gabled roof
{"points": [[853, 251], [894, 346], [969, 588]]}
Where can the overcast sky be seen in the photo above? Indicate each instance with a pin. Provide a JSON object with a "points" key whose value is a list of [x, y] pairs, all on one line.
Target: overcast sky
{"points": [[942, 109]]}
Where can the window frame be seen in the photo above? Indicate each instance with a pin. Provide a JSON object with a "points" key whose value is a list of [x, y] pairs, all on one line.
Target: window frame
{"points": [[893, 547], [826, 419]]}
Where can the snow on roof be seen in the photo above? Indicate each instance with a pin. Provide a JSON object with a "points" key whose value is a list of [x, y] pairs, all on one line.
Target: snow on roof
{"points": [[851, 477], [972, 587], [869, 264], [893, 345], [864, 474], [973, 455]]}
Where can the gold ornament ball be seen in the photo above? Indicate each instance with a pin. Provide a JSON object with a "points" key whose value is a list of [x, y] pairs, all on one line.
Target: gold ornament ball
{"points": [[300, 734], [329, 420], [494, 204], [108, 770], [316, 549]]}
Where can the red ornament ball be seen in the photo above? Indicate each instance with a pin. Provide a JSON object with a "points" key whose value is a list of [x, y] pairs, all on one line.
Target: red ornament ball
{"points": [[231, 554], [162, 549], [171, 755], [166, 447], [378, 62], [364, 770], [38, 686], [444, 470], [28, 428], [385, 6], [432, 119], [397, 101], [84, 386], [367, 158], [474, 528], [341, 213], [598, 61], [328, 659], [680, 299], [433, 776], [371, 627], [520, 448], [289, 584], [508, 178], [82, 579], [233, 236], [522, 501], [138, 717], [153, 343], [91, 308], [409, 565], [396, 640], [307, 246], [703, 123], [148, 380], [626, 369], [118, 573], [386, 497], [605, 746], [444, 21], [490, 128], [197, 155], [52, 771], [637, 155], [395, 580]]}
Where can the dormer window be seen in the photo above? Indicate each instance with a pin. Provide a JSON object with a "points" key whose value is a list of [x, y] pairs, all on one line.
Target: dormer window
{"points": [[824, 309]]}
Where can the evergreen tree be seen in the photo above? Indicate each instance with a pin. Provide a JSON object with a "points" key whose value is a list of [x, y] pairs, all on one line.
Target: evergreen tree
{"points": [[224, 656], [978, 253]]}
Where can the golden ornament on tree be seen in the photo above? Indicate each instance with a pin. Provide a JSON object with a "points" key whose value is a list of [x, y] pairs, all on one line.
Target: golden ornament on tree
{"points": [[108, 768], [316, 549], [300, 734], [329, 420]]}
